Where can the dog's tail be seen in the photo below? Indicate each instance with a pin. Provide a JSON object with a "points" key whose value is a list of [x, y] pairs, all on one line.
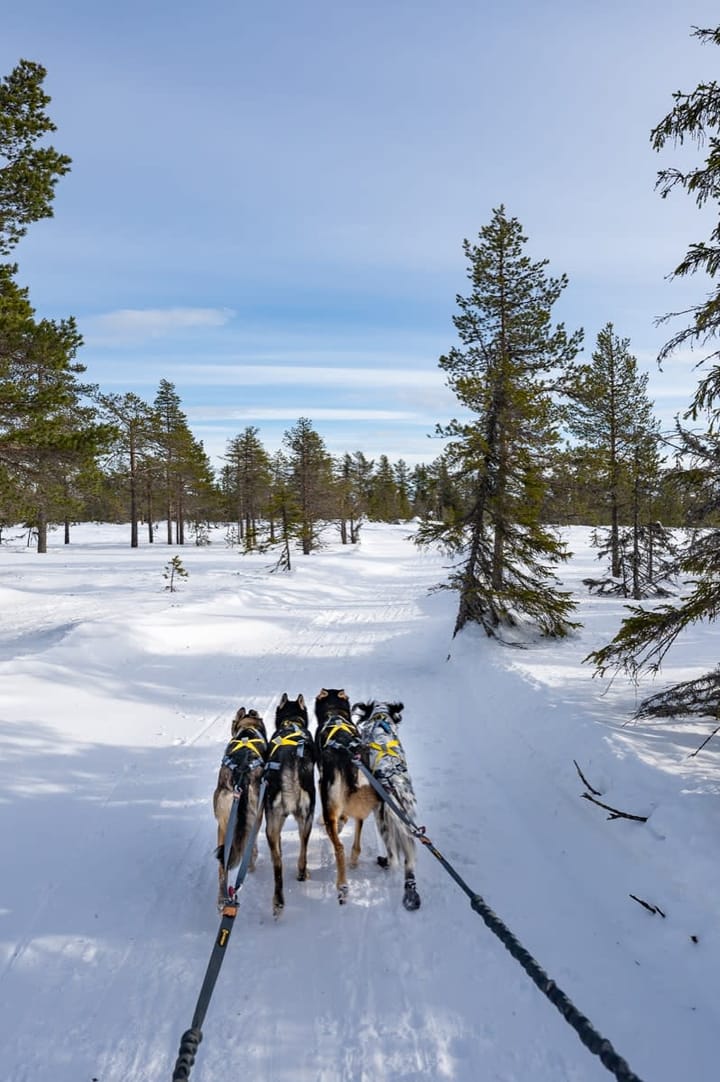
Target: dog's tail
{"points": [[241, 825], [398, 840]]}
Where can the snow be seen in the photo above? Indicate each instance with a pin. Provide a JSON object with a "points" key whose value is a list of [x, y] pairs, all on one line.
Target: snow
{"points": [[115, 700]]}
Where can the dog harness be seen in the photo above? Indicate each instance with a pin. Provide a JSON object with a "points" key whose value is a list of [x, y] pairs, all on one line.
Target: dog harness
{"points": [[385, 752], [293, 734], [336, 724], [244, 754]]}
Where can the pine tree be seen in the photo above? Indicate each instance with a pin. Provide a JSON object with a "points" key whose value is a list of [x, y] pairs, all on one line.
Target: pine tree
{"points": [[47, 426], [28, 172], [353, 481], [48, 431], [189, 490], [383, 503], [503, 376], [402, 486], [612, 416], [285, 522], [170, 420], [311, 480], [247, 484], [134, 448], [645, 636]]}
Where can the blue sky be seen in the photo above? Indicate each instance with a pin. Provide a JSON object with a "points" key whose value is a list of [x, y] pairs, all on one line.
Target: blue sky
{"points": [[267, 203]]}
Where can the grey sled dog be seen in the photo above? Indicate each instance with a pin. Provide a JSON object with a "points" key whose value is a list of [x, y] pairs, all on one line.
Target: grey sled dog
{"points": [[377, 722]]}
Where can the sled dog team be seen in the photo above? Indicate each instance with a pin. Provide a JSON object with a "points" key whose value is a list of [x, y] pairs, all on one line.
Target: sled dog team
{"points": [[344, 737]]}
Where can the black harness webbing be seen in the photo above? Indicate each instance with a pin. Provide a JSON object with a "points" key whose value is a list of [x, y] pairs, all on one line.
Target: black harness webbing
{"points": [[589, 1036], [191, 1037]]}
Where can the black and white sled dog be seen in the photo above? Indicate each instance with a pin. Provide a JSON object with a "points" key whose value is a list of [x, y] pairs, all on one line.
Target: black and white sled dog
{"points": [[239, 780], [377, 724], [290, 786]]}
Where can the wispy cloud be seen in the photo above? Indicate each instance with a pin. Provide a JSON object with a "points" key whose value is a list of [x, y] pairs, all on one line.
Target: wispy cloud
{"points": [[133, 325], [316, 375], [269, 413]]}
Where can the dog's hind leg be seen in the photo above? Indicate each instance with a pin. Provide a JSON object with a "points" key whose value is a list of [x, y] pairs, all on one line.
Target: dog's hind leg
{"points": [[399, 843], [331, 826], [381, 823], [411, 898], [223, 804], [356, 848], [273, 830], [304, 828], [252, 808]]}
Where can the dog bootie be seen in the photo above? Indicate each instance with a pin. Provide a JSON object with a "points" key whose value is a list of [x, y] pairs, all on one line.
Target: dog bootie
{"points": [[411, 898]]}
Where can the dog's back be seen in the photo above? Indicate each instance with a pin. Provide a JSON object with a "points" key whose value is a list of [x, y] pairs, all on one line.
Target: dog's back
{"points": [[290, 786], [377, 723], [291, 758], [336, 739], [239, 780]]}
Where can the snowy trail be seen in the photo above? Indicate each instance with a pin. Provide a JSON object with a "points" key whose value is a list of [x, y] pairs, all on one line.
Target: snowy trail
{"points": [[111, 737]]}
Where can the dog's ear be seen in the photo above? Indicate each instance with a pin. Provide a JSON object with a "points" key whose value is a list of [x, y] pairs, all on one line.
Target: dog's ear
{"points": [[342, 694], [322, 694], [361, 708], [396, 710], [301, 702], [237, 721], [283, 698]]}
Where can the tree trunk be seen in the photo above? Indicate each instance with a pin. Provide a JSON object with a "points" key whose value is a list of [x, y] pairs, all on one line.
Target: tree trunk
{"points": [[42, 532], [133, 499]]}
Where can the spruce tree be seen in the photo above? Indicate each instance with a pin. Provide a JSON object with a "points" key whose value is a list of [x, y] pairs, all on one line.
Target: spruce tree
{"points": [[503, 373]]}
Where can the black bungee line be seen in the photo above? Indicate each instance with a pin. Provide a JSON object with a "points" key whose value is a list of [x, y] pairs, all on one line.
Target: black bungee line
{"points": [[597, 1044], [191, 1037]]}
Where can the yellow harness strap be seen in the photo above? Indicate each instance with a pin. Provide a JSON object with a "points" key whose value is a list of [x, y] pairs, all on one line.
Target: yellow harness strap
{"points": [[290, 741], [248, 742], [385, 749], [342, 726]]}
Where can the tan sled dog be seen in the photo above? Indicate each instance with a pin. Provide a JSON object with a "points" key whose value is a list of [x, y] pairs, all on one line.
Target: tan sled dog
{"points": [[345, 792]]}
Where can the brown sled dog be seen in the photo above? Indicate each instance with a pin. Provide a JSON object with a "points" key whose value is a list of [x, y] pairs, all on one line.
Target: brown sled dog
{"points": [[290, 786], [239, 779], [344, 790]]}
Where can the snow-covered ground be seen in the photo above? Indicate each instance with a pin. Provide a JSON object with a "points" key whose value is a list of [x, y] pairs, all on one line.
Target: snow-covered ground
{"points": [[115, 705]]}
